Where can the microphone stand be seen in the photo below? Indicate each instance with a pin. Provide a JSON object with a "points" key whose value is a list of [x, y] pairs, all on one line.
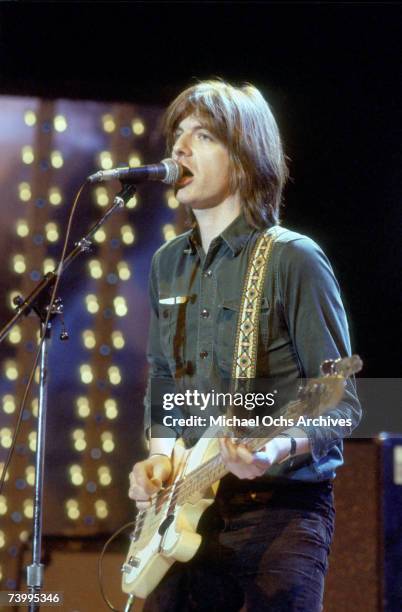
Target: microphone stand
{"points": [[38, 301]]}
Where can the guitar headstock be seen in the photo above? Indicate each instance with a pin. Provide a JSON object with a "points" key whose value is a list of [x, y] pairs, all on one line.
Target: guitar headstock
{"points": [[345, 367], [325, 392]]}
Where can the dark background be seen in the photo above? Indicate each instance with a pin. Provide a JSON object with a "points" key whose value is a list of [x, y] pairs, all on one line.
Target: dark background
{"points": [[332, 75]]}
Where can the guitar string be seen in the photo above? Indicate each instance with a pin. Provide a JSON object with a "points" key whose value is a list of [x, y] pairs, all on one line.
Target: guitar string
{"points": [[184, 487], [207, 473]]}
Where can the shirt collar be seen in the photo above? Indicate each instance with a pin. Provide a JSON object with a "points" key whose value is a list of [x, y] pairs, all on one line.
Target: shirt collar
{"points": [[236, 235]]}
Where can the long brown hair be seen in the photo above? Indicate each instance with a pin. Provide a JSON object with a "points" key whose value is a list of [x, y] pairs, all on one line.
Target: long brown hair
{"points": [[241, 118]]}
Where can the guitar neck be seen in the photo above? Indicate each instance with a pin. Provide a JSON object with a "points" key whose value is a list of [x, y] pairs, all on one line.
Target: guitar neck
{"points": [[214, 469]]}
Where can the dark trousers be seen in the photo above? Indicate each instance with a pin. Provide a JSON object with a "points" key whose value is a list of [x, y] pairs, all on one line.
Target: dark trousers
{"points": [[265, 547]]}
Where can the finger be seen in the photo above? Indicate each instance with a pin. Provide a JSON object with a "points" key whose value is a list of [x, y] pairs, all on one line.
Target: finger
{"points": [[224, 452], [142, 505], [245, 455], [231, 450], [143, 481], [160, 474], [157, 482]]}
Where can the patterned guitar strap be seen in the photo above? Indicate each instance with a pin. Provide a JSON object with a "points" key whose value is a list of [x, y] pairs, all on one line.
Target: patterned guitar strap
{"points": [[246, 343]]}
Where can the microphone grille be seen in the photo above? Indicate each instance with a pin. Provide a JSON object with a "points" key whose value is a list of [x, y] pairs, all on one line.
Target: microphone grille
{"points": [[174, 171]]}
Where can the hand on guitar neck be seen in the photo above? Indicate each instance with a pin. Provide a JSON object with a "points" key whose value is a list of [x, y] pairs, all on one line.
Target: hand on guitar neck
{"points": [[245, 464], [147, 477]]}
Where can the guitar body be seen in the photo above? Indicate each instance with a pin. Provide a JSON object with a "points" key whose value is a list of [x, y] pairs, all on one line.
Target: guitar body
{"points": [[167, 531]]}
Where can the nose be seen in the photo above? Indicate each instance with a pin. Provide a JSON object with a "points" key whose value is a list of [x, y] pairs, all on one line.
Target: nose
{"points": [[182, 146]]}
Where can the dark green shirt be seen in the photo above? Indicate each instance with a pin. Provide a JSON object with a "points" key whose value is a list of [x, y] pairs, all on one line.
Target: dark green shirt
{"points": [[195, 300]]}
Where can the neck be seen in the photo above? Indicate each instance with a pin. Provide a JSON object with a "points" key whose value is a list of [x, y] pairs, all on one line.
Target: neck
{"points": [[212, 221]]}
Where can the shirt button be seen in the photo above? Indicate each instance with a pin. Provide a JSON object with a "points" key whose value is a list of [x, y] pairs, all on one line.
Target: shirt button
{"points": [[204, 313], [204, 354], [208, 273]]}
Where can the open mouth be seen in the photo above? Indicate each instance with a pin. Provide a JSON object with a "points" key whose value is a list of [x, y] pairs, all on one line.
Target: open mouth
{"points": [[186, 177]]}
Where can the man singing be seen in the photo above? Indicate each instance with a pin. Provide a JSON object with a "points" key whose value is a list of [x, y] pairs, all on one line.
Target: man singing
{"points": [[266, 538]]}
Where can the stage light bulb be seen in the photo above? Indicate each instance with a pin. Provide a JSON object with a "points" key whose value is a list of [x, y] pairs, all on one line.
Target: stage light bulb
{"points": [[2, 539], [30, 118], [127, 234], [6, 436], [88, 338], [60, 123], [118, 340], [101, 196], [92, 303], [108, 123], [55, 197], [78, 434], [11, 369], [27, 154], [28, 508], [24, 192], [104, 476], [35, 407], [79, 440], [56, 159], [52, 232], [105, 160], [76, 475], [49, 265], [19, 265], [32, 441], [120, 306], [134, 160], [15, 335], [24, 536], [132, 202], [100, 235], [138, 127], [171, 199], [168, 232], [13, 294], [123, 270], [3, 505], [86, 373], [107, 441], [72, 509], [8, 404], [114, 375], [83, 408], [30, 475], [101, 509], [111, 411], [22, 228], [95, 268]]}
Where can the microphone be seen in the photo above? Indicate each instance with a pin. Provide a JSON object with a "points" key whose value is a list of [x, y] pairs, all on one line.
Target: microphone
{"points": [[168, 171]]}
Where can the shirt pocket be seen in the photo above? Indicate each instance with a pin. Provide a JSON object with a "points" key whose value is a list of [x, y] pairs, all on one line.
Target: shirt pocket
{"points": [[227, 327], [172, 332]]}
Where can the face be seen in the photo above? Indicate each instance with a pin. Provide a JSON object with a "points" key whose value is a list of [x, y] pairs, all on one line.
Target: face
{"points": [[207, 159]]}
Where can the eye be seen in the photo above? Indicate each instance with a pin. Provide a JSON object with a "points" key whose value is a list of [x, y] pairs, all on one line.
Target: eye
{"points": [[204, 136]]}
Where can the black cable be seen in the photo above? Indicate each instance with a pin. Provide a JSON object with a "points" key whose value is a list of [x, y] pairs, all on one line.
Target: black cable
{"points": [[42, 338], [100, 560]]}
